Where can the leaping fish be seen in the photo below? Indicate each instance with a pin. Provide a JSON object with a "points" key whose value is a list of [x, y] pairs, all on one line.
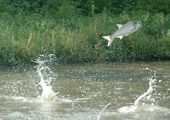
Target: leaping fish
{"points": [[123, 30]]}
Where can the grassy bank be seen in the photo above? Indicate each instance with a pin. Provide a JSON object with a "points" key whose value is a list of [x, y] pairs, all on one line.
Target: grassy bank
{"points": [[77, 38]]}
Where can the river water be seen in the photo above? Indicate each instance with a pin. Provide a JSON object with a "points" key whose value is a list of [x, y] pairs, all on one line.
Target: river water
{"points": [[101, 91]]}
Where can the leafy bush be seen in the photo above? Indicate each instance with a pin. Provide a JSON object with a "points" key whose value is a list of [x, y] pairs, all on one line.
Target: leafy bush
{"points": [[73, 30]]}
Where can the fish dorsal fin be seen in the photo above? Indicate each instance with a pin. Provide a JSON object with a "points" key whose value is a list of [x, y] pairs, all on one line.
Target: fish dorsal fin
{"points": [[119, 37], [119, 25]]}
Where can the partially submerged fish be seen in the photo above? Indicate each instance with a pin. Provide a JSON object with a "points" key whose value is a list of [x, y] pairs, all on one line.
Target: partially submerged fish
{"points": [[123, 30]]}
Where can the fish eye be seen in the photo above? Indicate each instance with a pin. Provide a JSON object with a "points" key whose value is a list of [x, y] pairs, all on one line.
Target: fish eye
{"points": [[135, 23]]}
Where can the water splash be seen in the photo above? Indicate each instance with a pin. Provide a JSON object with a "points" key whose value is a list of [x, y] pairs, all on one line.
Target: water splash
{"points": [[98, 117], [152, 80], [137, 108], [149, 91], [46, 75]]}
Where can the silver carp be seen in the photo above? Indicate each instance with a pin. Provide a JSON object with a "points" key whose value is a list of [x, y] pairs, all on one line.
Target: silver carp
{"points": [[123, 30]]}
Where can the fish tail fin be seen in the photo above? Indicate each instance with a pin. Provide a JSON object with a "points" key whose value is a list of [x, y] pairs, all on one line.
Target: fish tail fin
{"points": [[109, 39]]}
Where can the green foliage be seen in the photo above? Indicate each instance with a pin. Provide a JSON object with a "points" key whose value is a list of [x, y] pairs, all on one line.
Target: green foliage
{"points": [[65, 7], [73, 30]]}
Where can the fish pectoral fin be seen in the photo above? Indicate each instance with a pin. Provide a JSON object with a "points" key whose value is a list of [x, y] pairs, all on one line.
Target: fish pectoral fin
{"points": [[109, 39], [119, 25], [119, 37]]}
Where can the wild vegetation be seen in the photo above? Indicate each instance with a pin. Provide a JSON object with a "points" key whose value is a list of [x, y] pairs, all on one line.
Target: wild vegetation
{"points": [[72, 30]]}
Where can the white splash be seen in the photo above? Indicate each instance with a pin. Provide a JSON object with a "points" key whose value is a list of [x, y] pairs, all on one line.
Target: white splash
{"points": [[151, 81], [45, 74], [143, 108]]}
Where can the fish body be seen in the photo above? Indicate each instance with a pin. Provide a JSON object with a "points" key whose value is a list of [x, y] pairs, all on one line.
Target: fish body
{"points": [[123, 30]]}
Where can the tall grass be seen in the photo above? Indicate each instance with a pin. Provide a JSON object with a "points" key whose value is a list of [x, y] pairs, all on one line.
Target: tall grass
{"points": [[24, 37]]}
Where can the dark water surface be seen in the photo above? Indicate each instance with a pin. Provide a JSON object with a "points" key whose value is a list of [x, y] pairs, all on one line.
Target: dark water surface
{"points": [[103, 91]]}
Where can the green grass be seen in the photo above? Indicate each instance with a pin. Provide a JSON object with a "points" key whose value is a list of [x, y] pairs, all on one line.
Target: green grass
{"points": [[24, 37]]}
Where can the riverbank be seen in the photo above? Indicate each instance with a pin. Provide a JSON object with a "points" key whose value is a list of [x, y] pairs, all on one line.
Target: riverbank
{"points": [[78, 38]]}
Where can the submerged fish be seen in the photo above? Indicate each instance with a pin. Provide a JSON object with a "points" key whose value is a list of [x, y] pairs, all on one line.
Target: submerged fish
{"points": [[123, 30]]}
